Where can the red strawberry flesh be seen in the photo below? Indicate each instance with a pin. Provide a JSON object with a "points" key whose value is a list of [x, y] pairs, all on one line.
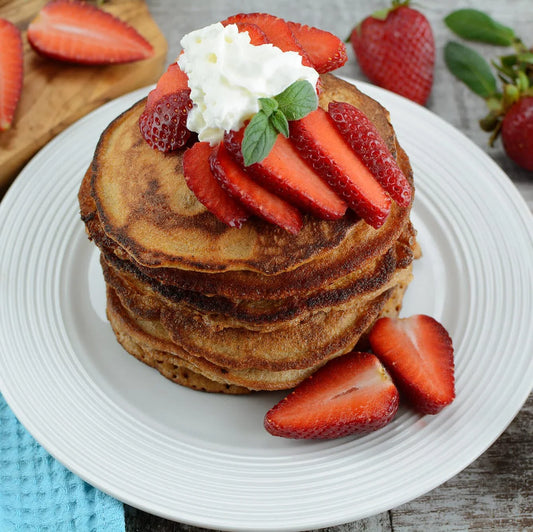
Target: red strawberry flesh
{"points": [[255, 198], [11, 72], [285, 173], [82, 33], [418, 353], [164, 124], [351, 394], [173, 80], [276, 30], [367, 143], [202, 182], [325, 50], [319, 141], [257, 35]]}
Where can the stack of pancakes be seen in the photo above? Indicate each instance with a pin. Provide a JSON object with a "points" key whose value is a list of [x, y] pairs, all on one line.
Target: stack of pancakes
{"points": [[231, 310]]}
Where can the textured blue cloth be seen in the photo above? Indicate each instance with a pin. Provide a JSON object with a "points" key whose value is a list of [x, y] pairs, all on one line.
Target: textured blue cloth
{"points": [[38, 494]]}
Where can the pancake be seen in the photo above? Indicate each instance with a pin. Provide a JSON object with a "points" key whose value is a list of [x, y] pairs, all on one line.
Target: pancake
{"points": [[148, 341], [229, 310], [146, 207], [147, 296]]}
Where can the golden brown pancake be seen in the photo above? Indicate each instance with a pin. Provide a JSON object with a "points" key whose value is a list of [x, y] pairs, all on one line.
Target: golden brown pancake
{"points": [[146, 207], [148, 341], [147, 296], [232, 310]]}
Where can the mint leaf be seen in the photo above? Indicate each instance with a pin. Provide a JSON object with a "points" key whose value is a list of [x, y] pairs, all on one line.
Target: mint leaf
{"points": [[259, 137], [475, 25], [297, 100], [470, 68], [268, 105], [280, 123]]}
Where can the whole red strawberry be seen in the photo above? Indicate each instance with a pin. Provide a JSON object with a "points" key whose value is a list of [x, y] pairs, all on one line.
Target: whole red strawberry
{"points": [[517, 132], [395, 49]]}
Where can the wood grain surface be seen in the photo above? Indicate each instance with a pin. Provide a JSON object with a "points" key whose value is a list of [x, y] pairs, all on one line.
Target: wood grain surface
{"points": [[56, 94], [496, 491]]}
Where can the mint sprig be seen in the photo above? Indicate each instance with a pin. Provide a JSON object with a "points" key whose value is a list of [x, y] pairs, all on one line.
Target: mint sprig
{"points": [[295, 102]]}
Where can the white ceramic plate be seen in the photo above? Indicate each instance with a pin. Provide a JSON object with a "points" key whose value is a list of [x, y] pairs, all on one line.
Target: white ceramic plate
{"points": [[206, 459]]}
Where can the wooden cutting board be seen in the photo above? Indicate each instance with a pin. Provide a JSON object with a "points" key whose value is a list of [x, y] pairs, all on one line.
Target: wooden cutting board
{"points": [[56, 94]]}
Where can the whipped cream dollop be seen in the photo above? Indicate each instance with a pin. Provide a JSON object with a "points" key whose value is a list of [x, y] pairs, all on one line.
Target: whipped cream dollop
{"points": [[227, 75]]}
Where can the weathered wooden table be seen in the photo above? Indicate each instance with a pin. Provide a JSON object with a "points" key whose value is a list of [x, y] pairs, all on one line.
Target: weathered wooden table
{"points": [[496, 491]]}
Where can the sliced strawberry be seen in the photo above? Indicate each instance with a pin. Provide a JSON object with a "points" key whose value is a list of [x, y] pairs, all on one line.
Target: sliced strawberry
{"points": [[200, 179], [323, 146], [173, 80], [255, 198], [11, 72], [82, 33], [257, 35], [276, 30], [285, 173], [351, 394], [418, 353], [362, 135], [325, 50], [164, 124]]}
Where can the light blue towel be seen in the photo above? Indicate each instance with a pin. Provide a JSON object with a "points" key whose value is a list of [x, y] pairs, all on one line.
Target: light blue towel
{"points": [[38, 494]]}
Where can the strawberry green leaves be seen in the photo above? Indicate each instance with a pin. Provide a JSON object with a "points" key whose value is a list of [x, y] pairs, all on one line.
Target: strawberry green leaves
{"points": [[475, 25], [295, 102], [467, 65], [509, 97]]}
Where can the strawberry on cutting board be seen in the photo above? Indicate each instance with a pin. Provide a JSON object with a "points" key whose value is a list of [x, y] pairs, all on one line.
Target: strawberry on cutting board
{"points": [[418, 353], [11, 72], [351, 394], [395, 49], [79, 32]]}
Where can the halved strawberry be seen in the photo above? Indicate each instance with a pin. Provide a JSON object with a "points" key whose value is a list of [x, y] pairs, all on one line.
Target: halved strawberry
{"points": [[82, 33], [173, 80], [351, 394], [11, 72], [255, 198], [319, 141], [418, 353], [325, 50], [200, 179], [164, 124], [257, 35], [362, 135], [286, 174], [276, 30]]}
